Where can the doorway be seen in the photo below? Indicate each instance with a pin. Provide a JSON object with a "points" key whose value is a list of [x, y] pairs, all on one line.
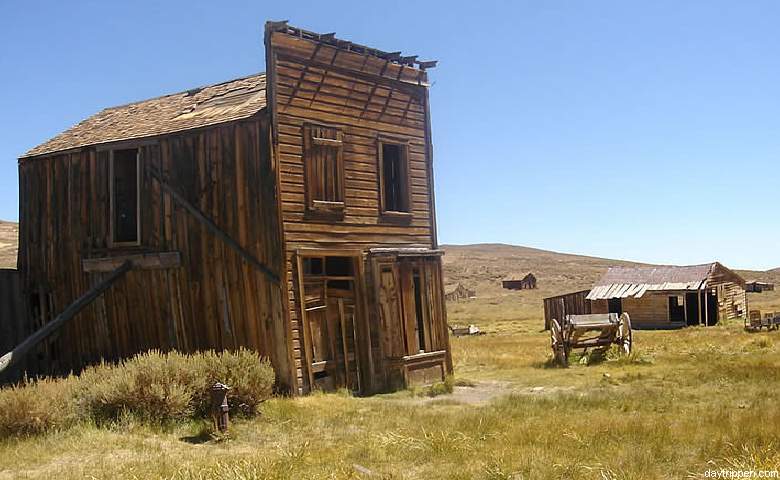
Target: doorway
{"points": [[329, 309]]}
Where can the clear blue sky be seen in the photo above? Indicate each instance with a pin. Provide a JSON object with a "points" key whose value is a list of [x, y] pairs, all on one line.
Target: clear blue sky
{"points": [[623, 129]]}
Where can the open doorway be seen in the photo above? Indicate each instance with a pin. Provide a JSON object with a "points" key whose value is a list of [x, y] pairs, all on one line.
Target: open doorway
{"points": [[676, 309], [692, 308], [329, 305]]}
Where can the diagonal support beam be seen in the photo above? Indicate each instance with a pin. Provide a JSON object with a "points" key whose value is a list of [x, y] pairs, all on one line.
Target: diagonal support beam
{"points": [[213, 228], [74, 308]]}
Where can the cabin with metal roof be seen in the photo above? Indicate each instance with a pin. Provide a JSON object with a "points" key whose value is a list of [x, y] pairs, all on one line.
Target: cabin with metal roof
{"points": [[671, 296], [289, 212]]}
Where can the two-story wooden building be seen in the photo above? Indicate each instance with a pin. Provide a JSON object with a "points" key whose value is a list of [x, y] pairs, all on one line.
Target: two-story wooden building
{"points": [[290, 212]]}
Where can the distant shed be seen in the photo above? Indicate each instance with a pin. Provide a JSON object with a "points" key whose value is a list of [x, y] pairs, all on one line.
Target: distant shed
{"points": [[458, 292], [758, 287], [557, 307], [525, 281]]}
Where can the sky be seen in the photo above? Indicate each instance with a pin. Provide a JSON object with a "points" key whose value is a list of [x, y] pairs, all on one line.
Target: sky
{"points": [[637, 130]]}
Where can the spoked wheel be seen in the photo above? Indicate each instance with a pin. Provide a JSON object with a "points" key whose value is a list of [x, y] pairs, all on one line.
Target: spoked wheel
{"points": [[560, 352], [624, 336]]}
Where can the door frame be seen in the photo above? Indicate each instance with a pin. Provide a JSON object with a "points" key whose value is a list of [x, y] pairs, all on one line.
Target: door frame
{"points": [[363, 334]]}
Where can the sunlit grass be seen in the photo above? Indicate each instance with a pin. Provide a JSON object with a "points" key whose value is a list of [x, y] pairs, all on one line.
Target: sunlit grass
{"points": [[683, 402]]}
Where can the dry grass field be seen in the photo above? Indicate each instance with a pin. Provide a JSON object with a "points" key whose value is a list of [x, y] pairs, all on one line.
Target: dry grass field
{"points": [[686, 402]]}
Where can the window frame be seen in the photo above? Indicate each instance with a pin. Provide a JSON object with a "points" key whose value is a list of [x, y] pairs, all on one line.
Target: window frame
{"points": [[112, 200], [314, 206], [403, 143]]}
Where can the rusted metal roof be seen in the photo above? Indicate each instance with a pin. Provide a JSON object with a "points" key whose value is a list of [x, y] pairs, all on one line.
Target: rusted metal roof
{"points": [[194, 108], [623, 282]]}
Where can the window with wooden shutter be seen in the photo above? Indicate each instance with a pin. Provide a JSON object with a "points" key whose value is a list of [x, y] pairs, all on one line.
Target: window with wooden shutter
{"points": [[394, 189], [323, 169]]}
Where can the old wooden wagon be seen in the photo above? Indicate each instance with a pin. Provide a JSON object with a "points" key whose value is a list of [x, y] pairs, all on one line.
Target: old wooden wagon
{"points": [[758, 321], [291, 212], [595, 332]]}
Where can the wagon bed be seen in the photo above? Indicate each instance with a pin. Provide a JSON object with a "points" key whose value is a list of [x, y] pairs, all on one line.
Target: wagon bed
{"points": [[596, 331]]}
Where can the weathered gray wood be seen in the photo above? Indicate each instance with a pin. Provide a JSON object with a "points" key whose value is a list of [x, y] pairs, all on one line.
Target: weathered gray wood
{"points": [[74, 308], [144, 261], [214, 229]]}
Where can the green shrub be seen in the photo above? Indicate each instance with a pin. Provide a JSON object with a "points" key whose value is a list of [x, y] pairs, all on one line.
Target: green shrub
{"points": [[163, 387], [153, 387], [250, 379], [34, 407]]}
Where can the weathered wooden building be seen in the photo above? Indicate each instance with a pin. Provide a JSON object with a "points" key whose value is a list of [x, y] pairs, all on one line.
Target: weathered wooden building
{"points": [[290, 212], [671, 297], [526, 281], [458, 292], [759, 287], [557, 307]]}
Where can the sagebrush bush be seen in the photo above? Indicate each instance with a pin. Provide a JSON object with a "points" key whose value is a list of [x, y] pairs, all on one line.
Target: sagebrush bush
{"points": [[153, 387], [34, 407]]}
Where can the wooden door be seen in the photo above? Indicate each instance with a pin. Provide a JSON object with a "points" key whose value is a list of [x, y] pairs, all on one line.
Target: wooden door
{"points": [[390, 309]]}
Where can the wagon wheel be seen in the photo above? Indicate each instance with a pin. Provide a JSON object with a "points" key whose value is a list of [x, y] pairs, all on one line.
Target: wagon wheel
{"points": [[624, 336], [560, 352]]}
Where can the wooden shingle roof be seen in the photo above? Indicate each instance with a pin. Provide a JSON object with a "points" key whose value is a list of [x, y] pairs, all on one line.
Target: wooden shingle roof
{"points": [[195, 108]]}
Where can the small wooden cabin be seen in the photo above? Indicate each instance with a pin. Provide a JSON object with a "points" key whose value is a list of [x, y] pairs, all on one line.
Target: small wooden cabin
{"points": [[458, 292], [526, 281], [759, 287], [670, 296], [290, 212]]}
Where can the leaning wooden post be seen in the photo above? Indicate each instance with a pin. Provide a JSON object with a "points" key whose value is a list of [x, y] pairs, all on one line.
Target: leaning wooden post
{"points": [[74, 308]]}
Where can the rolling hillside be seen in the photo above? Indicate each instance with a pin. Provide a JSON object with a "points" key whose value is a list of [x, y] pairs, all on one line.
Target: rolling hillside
{"points": [[9, 233]]}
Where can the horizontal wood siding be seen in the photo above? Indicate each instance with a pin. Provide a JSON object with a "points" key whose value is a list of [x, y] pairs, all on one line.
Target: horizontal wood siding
{"points": [[650, 311], [364, 97], [214, 300]]}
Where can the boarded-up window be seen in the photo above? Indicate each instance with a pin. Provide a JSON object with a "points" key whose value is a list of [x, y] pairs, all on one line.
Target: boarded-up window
{"points": [[124, 197], [323, 169], [394, 177]]}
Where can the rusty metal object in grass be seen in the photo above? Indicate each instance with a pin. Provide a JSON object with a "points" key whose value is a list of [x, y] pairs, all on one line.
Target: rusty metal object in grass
{"points": [[219, 406]]}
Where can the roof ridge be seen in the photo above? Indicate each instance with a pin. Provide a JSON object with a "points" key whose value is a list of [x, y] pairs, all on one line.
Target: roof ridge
{"points": [[166, 95]]}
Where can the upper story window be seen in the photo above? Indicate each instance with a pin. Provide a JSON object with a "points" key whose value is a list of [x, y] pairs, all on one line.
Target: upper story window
{"points": [[125, 200], [323, 169], [394, 194]]}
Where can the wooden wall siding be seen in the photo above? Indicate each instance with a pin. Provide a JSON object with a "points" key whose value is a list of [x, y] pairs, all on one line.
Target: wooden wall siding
{"points": [[650, 311], [732, 301], [364, 97], [558, 307], [13, 320], [215, 300]]}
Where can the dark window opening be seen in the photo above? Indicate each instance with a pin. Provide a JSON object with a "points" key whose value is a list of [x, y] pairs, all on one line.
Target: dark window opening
{"points": [[313, 266], [615, 305], [340, 285], [418, 310], [394, 178], [338, 266], [124, 195], [676, 309]]}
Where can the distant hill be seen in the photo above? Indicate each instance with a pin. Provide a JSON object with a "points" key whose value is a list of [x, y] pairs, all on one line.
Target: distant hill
{"points": [[9, 241]]}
